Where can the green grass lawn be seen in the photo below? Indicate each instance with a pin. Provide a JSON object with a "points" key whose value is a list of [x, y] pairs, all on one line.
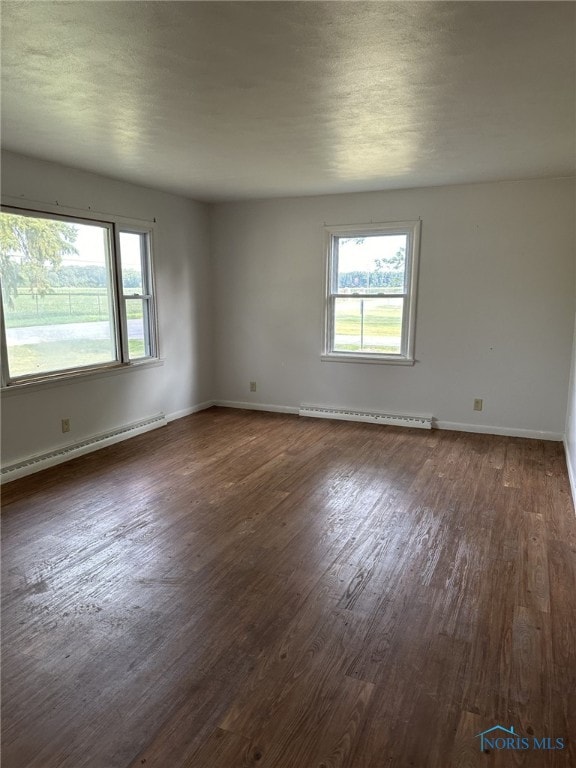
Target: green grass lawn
{"points": [[50, 356], [64, 305], [380, 319]]}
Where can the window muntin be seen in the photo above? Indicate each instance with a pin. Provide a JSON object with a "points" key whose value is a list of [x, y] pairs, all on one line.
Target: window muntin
{"points": [[61, 305], [371, 292]]}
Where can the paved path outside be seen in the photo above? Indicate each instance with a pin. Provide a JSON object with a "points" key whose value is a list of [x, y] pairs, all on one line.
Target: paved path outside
{"points": [[37, 334]]}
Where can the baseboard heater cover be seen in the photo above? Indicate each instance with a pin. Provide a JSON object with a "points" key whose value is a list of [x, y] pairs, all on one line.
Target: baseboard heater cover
{"points": [[59, 455], [372, 417]]}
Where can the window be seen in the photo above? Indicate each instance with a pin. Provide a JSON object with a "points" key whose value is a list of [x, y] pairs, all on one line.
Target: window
{"points": [[371, 292], [76, 295]]}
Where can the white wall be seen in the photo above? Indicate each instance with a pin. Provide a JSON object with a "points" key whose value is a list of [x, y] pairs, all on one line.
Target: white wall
{"points": [[495, 306], [31, 420], [570, 439]]}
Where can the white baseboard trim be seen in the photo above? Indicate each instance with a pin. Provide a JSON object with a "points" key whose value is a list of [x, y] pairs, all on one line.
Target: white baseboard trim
{"points": [[450, 425], [571, 474], [412, 420], [189, 411], [42, 461], [482, 429], [256, 406]]}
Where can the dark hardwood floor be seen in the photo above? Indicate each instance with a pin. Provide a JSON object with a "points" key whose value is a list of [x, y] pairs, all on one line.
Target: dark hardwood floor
{"points": [[250, 589]]}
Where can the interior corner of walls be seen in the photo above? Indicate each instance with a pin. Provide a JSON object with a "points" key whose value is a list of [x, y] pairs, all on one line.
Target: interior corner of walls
{"points": [[571, 467], [246, 406], [189, 411], [570, 428]]}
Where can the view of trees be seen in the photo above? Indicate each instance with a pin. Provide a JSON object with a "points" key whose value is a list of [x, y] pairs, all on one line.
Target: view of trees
{"points": [[388, 274], [57, 295], [392, 262], [31, 255], [29, 248], [370, 280], [32, 251], [76, 276]]}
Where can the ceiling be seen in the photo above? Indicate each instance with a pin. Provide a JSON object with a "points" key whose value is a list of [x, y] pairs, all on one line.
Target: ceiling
{"points": [[235, 100]]}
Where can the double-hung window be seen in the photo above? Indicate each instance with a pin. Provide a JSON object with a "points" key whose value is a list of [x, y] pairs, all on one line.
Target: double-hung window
{"points": [[77, 295], [370, 304], [137, 307]]}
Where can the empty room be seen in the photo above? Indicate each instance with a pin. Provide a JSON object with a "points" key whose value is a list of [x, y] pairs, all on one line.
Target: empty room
{"points": [[288, 384]]}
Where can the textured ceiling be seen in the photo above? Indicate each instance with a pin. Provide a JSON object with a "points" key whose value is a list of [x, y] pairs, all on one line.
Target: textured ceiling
{"points": [[229, 100]]}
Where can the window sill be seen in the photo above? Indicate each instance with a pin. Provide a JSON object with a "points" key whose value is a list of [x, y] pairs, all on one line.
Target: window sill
{"points": [[334, 357], [58, 380]]}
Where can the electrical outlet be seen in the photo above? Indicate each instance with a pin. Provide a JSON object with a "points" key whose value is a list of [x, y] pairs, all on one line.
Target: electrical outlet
{"points": [[65, 425], [478, 404], [252, 386]]}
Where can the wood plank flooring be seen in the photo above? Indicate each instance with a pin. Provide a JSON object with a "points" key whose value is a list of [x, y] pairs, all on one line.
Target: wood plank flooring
{"points": [[250, 589]]}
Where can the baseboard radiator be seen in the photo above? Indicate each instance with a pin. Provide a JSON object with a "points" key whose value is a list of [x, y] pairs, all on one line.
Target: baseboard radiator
{"points": [[59, 455], [372, 417]]}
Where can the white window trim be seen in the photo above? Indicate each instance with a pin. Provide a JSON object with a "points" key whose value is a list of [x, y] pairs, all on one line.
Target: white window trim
{"points": [[148, 284], [117, 224], [78, 375], [406, 357]]}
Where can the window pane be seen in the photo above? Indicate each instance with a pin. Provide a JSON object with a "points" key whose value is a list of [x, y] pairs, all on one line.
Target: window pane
{"points": [[372, 264], [135, 318], [131, 259], [56, 294], [368, 325]]}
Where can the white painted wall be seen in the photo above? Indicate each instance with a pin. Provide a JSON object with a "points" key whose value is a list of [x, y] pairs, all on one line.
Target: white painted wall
{"points": [[31, 420], [495, 305], [495, 308], [570, 438]]}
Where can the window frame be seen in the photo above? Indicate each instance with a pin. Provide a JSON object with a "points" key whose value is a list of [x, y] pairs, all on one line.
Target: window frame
{"points": [[149, 312], [115, 226], [332, 234]]}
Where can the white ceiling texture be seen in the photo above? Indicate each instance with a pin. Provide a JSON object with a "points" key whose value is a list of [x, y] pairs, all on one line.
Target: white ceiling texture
{"points": [[236, 100]]}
